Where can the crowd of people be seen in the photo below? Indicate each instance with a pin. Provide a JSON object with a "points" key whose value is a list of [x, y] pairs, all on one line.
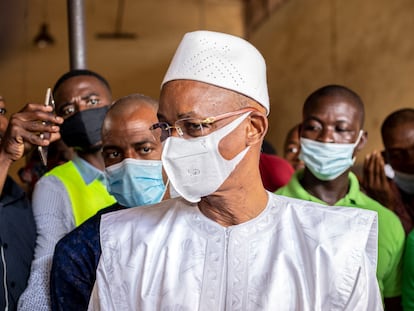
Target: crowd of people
{"points": [[181, 204]]}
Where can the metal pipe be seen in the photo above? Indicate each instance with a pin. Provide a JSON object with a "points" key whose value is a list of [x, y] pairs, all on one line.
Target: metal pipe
{"points": [[76, 28]]}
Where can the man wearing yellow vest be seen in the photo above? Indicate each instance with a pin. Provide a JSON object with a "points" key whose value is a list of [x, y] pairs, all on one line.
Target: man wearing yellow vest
{"points": [[72, 192]]}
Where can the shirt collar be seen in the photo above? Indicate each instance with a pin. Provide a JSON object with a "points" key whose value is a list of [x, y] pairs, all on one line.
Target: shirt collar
{"points": [[350, 198], [88, 172], [11, 192]]}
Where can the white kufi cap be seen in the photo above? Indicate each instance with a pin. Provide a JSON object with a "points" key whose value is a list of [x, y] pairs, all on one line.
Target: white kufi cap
{"points": [[222, 60]]}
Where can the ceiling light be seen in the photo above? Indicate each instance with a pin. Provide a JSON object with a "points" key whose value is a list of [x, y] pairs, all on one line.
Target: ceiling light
{"points": [[43, 38]]}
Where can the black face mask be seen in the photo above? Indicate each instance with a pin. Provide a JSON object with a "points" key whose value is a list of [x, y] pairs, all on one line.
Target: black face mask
{"points": [[83, 130]]}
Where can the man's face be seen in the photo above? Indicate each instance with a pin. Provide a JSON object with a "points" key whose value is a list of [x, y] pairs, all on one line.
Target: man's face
{"points": [[80, 93], [399, 147], [3, 119], [191, 99], [291, 149], [127, 135], [332, 119]]}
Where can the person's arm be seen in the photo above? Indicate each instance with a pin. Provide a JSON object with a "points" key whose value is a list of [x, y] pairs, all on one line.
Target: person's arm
{"points": [[408, 274], [53, 215], [21, 134]]}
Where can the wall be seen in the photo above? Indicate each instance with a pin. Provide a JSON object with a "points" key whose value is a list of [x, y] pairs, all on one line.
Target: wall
{"points": [[365, 45], [130, 66]]}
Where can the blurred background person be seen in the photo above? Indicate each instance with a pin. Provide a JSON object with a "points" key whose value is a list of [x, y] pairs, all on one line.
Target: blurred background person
{"points": [[331, 135], [291, 148], [274, 170], [74, 191], [17, 225], [132, 155], [395, 191]]}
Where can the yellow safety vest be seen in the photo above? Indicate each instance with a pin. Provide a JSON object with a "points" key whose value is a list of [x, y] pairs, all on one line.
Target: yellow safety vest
{"points": [[86, 200]]}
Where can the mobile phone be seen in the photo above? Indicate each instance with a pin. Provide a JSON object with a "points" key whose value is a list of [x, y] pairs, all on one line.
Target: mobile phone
{"points": [[43, 150]]}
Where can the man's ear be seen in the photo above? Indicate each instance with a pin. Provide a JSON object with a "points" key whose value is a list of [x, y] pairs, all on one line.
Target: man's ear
{"points": [[257, 128], [362, 141]]}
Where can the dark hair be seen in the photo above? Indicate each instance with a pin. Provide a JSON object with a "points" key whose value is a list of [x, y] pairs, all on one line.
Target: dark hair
{"points": [[80, 72], [336, 90], [396, 118]]}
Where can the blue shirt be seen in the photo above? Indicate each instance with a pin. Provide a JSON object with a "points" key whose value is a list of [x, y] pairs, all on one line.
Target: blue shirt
{"points": [[88, 172], [74, 265], [52, 210], [17, 241]]}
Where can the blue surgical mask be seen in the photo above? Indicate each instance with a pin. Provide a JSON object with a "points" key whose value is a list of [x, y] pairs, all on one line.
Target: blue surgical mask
{"points": [[135, 182], [404, 181], [327, 161]]}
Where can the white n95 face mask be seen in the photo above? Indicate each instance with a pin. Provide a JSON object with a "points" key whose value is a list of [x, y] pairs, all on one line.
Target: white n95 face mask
{"points": [[327, 161], [195, 166]]}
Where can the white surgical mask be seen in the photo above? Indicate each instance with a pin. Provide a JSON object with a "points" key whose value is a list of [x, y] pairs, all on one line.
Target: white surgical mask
{"points": [[404, 181], [389, 172], [195, 166], [136, 182], [327, 161]]}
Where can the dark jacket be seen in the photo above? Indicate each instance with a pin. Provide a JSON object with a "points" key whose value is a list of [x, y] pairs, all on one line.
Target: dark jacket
{"points": [[17, 242]]}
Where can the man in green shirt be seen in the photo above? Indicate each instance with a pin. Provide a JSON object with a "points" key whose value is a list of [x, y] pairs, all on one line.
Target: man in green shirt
{"points": [[331, 134], [408, 275]]}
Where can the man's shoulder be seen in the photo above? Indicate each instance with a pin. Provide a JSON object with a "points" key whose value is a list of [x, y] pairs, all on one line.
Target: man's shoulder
{"points": [[410, 238], [148, 216], [329, 226], [305, 206], [88, 230], [322, 222], [293, 188], [12, 192], [49, 183], [62, 169], [384, 214]]}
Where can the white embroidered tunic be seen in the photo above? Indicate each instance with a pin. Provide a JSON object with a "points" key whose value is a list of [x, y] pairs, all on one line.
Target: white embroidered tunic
{"points": [[296, 255]]}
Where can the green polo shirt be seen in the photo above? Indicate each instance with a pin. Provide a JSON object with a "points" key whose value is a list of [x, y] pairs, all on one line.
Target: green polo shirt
{"points": [[391, 236], [408, 275]]}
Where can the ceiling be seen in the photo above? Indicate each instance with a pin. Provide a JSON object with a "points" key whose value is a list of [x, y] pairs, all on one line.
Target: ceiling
{"points": [[365, 45], [124, 38]]}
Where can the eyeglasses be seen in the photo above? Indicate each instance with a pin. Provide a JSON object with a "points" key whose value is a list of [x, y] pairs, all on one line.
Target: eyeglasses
{"points": [[193, 127]]}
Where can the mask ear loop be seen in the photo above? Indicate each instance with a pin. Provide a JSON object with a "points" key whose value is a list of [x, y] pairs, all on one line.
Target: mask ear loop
{"points": [[165, 189], [361, 132]]}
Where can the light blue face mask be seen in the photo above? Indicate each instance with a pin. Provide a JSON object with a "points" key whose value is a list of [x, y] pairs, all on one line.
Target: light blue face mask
{"points": [[327, 161], [135, 182]]}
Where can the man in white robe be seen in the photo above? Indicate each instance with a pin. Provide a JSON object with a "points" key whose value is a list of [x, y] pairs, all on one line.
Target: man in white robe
{"points": [[227, 243]]}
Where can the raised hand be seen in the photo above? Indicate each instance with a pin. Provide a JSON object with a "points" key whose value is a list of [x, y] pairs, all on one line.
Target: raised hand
{"points": [[375, 181], [25, 128]]}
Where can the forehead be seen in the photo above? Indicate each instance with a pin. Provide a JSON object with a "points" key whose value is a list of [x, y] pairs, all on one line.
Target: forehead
{"points": [[400, 136], [293, 136], [136, 120], [180, 98], [79, 86], [333, 109]]}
